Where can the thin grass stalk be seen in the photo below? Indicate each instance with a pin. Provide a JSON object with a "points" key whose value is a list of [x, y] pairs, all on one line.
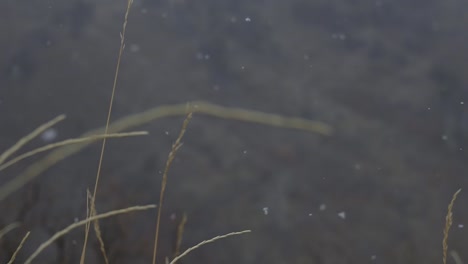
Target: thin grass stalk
{"points": [[109, 114], [172, 154]]}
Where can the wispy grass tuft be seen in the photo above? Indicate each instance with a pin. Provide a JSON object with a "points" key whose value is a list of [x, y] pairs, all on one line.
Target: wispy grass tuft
{"points": [[69, 147], [150, 115]]}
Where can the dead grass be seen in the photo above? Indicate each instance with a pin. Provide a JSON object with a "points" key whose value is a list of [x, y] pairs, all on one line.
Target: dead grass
{"points": [[20, 246], [67, 142], [170, 158], [23, 141], [69, 147], [109, 114], [135, 120], [448, 224], [186, 252], [64, 149], [84, 222], [8, 228]]}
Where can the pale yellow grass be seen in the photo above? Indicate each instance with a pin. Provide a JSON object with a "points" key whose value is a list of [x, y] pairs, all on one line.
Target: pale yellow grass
{"points": [[20, 246], [84, 222], [448, 224]]}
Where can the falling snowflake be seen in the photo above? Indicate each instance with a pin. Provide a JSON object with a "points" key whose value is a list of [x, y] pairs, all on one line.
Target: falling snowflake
{"points": [[342, 215], [49, 135]]}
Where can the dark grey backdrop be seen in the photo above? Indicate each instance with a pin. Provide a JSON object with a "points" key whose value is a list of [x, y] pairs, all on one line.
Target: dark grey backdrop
{"points": [[389, 76]]}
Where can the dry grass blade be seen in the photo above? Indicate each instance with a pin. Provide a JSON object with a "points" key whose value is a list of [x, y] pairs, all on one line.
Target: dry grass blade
{"points": [[89, 197], [38, 167], [97, 229], [230, 113], [13, 257], [109, 114], [170, 158], [68, 142], [8, 228], [448, 224], [180, 235], [23, 141], [159, 112], [206, 242], [84, 222], [261, 118], [456, 257]]}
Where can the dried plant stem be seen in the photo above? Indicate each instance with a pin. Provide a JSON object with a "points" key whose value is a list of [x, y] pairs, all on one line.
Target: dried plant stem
{"points": [[170, 158], [84, 222], [54, 157], [206, 242], [68, 142], [8, 228], [109, 114], [97, 229], [23, 141], [13, 257], [448, 224], [179, 235], [456, 257]]}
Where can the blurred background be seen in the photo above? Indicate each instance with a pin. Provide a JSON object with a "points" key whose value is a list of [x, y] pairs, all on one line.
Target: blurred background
{"points": [[388, 76]]}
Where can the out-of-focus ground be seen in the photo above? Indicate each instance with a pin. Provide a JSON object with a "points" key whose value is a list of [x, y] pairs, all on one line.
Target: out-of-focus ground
{"points": [[390, 77]]}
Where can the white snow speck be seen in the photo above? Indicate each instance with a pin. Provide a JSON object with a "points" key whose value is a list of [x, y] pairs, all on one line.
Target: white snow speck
{"points": [[310, 214], [339, 36], [167, 133], [342, 215], [323, 207], [173, 217], [462, 103], [373, 257], [461, 226], [49, 135], [75, 219], [247, 19], [265, 210], [134, 48]]}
